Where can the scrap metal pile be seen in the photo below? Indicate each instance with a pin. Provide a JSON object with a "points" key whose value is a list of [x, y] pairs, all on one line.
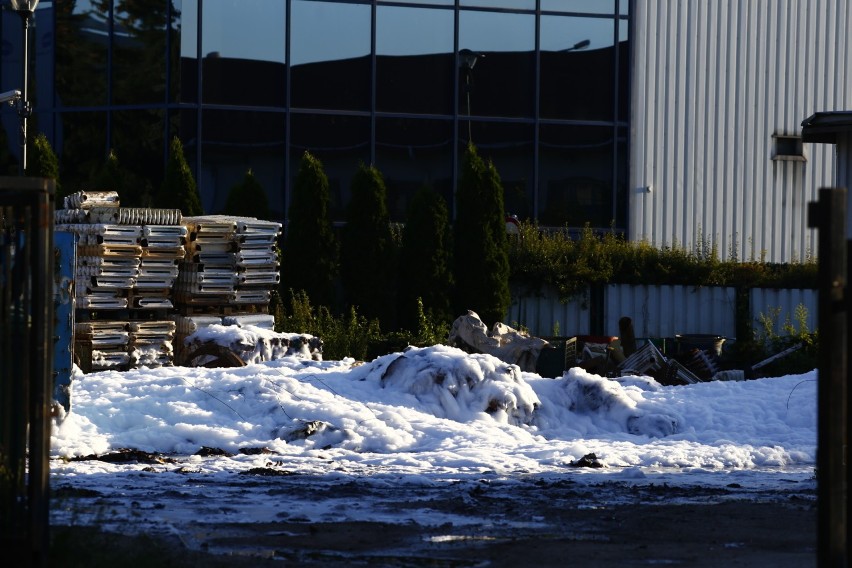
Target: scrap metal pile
{"points": [[147, 279]]}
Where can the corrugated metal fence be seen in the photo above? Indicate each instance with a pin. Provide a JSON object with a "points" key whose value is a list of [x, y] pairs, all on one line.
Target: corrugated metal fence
{"points": [[662, 311]]}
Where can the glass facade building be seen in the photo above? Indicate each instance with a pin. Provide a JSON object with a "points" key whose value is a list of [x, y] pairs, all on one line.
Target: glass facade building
{"points": [[541, 87]]}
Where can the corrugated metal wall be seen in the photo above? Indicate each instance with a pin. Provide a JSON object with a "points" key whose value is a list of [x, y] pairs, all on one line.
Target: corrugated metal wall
{"points": [[662, 311], [666, 311], [712, 82]]}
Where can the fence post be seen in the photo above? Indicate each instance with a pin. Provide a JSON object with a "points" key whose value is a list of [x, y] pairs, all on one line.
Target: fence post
{"points": [[828, 215]]}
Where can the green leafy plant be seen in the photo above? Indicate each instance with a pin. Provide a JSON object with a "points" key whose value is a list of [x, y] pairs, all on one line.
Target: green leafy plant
{"points": [[570, 263], [346, 335]]}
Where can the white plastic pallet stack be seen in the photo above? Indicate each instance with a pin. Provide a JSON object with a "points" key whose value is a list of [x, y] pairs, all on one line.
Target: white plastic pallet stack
{"points": [[127, 264], [230, 261]]}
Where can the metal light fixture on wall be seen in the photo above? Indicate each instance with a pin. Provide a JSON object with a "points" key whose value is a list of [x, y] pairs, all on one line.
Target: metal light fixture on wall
{"points": [[25, 9]]}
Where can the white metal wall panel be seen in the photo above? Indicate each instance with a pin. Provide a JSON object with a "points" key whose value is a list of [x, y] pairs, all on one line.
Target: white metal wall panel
{"points": [[713, 81], [781, 306], [666, 311]]}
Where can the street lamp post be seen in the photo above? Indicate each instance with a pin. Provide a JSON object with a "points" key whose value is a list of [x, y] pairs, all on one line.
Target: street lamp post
{"points": [[25, 9], [467, 59]]}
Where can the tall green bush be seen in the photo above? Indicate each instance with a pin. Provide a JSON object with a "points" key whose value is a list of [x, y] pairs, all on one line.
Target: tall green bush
{"points": [[425, 269], [309, 258], [248, 199], [132, 190], [367, 249], [44, 163], [480, 244], [179, 190]]}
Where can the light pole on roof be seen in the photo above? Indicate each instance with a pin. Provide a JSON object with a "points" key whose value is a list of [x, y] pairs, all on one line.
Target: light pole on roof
{"points": [[25, 9]]}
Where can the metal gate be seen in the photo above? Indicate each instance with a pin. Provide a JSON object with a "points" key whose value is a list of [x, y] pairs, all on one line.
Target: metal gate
{"points": [[26, 363]]}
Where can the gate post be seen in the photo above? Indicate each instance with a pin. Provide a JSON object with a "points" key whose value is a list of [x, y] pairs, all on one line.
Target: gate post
{"points": [[828, 215]]}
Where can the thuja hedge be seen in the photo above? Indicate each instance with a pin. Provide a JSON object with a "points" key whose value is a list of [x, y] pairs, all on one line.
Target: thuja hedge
{"points": [[570, 263]]}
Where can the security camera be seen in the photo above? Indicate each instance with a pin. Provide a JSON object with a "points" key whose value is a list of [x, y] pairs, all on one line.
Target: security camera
{"points": [[10, 96]]}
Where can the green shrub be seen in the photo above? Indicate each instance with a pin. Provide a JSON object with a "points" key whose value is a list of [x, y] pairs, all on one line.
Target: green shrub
{"points": [[480, 246], [347, 335], [368, 249], [112, 176], [425, 266], [310, 255], [43, 163], [179, 190], [248, 199], [570, 264]]}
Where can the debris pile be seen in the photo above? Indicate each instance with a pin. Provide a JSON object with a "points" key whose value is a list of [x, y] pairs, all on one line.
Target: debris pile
{"points": [[469, 333]]}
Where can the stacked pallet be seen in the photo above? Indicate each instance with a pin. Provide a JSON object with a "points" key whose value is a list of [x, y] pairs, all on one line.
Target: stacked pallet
{"points": [[127, 264], [230, 261]]}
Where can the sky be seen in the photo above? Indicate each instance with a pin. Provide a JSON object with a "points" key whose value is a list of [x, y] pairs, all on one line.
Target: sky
{"points": [[420, 418]]}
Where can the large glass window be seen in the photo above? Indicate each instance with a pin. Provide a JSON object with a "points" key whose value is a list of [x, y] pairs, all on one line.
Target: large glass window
{"points": [[340, 143], [82, 41], [330, 55], [81, 146], [576, 176], [580, 6], [189, 52], [577, 67], [496, 63], [510, 146], [516, 4], [234, 142], [413, 153], [414, 60], [137, 140], [243, 48], [139, 52]]}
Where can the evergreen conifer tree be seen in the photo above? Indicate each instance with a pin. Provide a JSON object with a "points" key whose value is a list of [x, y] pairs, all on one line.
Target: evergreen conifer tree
{"points": [[367, 249], [43, 163], [425, 269], [179, 190], [112, 176], [248, 199], [481, 256], [309, 258]]}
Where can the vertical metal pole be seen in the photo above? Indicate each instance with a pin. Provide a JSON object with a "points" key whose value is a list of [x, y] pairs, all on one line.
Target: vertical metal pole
{"points": [[24, 104], [828, 215]]}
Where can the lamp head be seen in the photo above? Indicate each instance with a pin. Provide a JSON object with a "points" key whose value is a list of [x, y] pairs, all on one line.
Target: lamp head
{"points": [[23, 7], [468, 58]]}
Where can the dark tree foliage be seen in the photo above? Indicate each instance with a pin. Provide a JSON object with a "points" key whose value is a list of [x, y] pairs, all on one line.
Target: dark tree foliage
{"points": [[367, 249], [248, 199], [425, 269], [309, 258], [481, 255], [112, 176], [43, 163], [179, 190]]}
